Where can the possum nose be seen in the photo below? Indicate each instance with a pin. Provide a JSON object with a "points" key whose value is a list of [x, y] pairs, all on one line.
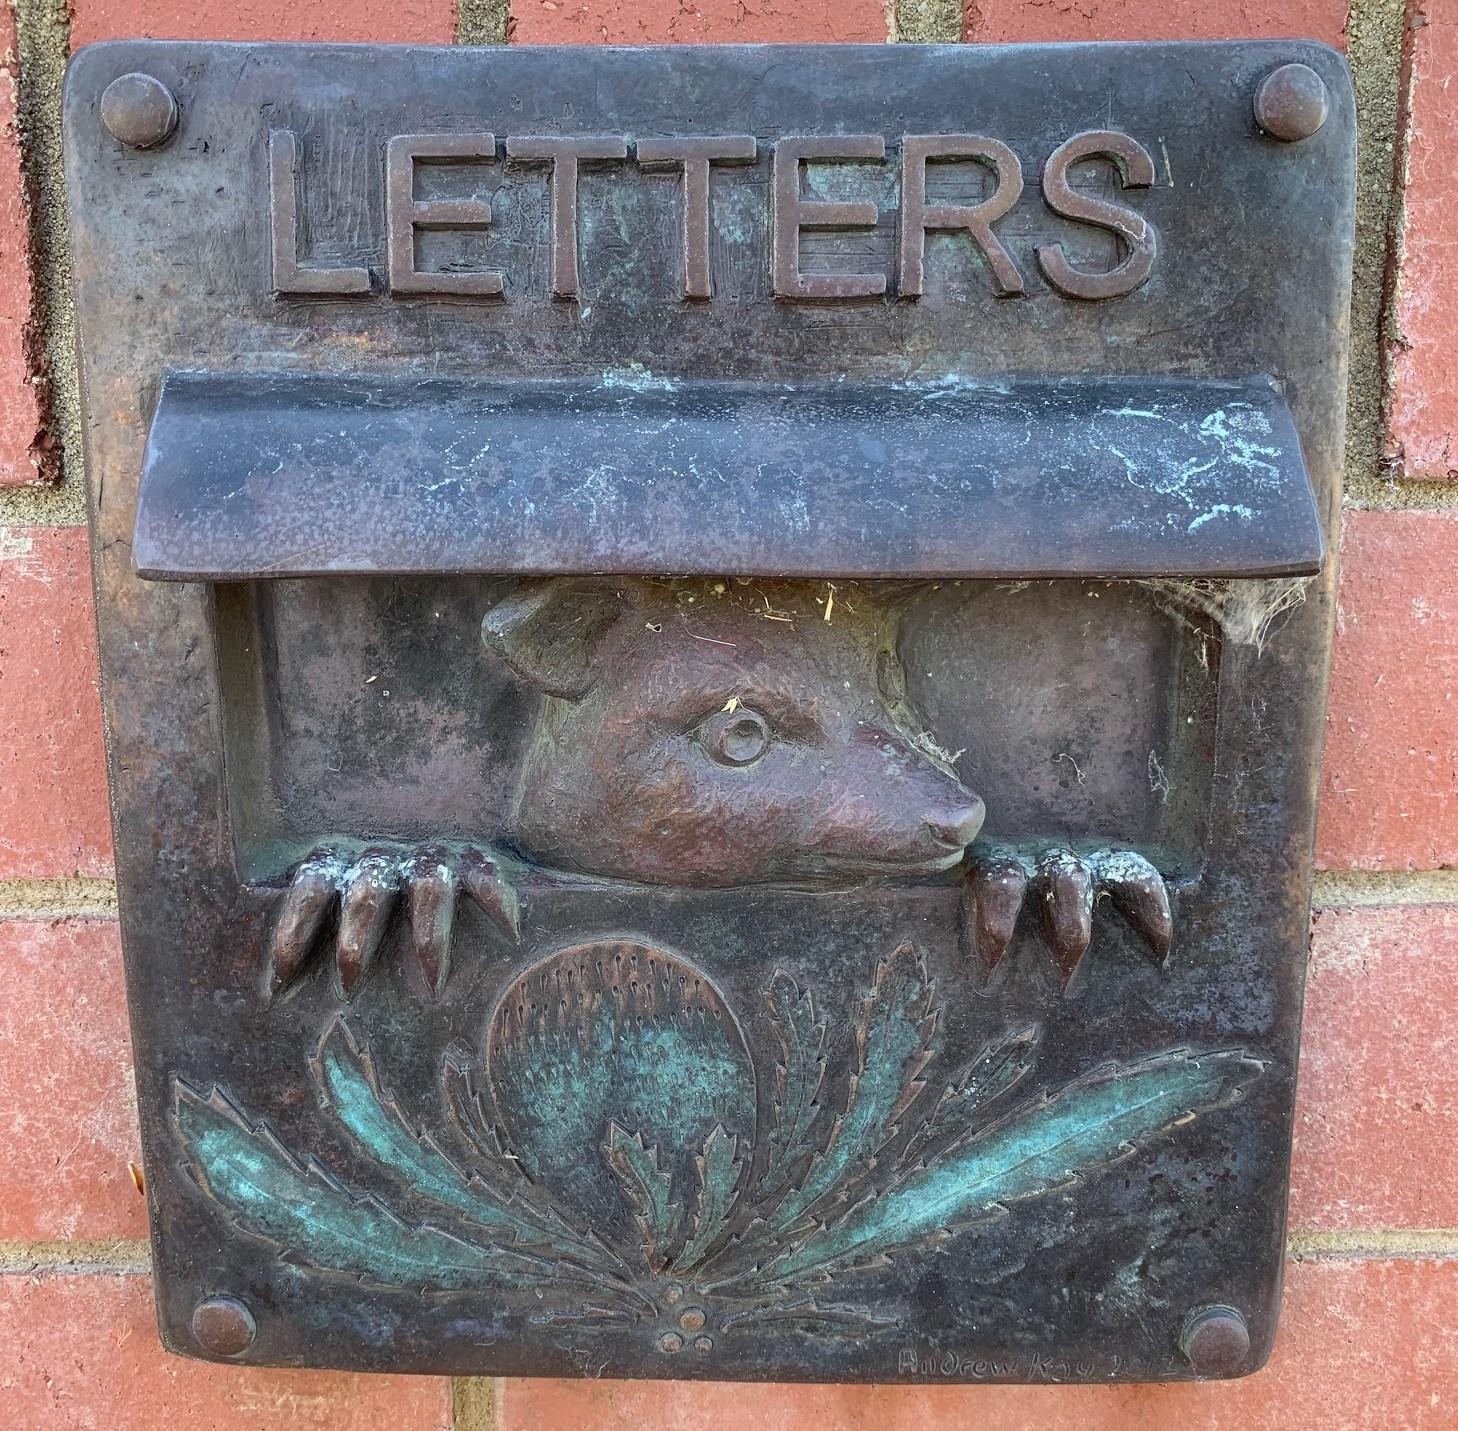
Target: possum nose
{"points": [[957, 828]]}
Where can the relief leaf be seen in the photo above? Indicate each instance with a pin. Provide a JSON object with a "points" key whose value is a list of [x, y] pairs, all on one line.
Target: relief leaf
{"points": [[808, 1318], [1035, 1150], [347, 1077], [312, 1217], [893, 1043], [719, 1167], [798, 1075], [992, 1073], [649, 1191]]}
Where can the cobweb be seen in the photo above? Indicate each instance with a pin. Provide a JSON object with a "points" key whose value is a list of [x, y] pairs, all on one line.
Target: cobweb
{"points": [[1243, 610]]}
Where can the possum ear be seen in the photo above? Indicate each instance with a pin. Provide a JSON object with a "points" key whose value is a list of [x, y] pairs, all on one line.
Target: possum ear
{"points": [[548, 632]]}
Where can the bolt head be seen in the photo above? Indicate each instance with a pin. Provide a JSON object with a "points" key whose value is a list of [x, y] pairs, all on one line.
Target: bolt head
{"points": [[223, 1326], [139, 110], [1292, 103], [1215, 1341]]}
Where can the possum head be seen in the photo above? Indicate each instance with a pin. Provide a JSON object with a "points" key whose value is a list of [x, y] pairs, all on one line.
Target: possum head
{"points": [[718, 733]]}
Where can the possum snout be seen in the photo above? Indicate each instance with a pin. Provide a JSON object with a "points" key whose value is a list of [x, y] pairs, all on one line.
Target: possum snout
{"points": [[957, 828], [902, 810]]}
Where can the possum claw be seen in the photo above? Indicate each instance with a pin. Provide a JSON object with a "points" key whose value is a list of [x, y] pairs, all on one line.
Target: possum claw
{"points": [[1139, 894], [368, 895], [1068, 898], [301, 914], [992, 897], [997, 879], [430, 877], [431, 885], [485, 883]]}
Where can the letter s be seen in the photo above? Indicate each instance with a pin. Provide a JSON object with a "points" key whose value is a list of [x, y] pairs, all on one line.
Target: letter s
{"points": [[1136, 235]]}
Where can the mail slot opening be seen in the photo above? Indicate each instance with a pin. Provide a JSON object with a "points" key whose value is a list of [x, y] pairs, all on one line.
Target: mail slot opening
{"points": [[1077, 710]]}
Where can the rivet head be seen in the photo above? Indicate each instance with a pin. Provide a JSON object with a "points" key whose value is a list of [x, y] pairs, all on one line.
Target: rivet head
{"points": [[139, 110], [1215, 1341], [1292, 103], [223, 1326]]}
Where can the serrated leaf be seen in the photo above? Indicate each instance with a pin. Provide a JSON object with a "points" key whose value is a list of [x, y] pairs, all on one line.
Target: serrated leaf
{"points": [[649, 1191], [1083, 1127], [719, 1168], [467, 1111], [346, 1075], [991, 1074], [893, 1042], [582, 1317], [308, 1214], [808, 1318], [798, 1076]]}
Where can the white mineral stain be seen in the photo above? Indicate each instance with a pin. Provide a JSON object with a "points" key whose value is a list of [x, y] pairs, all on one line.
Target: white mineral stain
{"points": [[1222, 509], [636, 378]]}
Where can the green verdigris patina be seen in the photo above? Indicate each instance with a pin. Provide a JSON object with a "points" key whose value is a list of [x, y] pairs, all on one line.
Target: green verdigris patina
{"points": [[617, 1072]]}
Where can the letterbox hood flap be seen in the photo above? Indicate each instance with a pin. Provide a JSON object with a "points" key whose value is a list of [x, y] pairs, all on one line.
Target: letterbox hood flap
{"points": [[283, 475]]}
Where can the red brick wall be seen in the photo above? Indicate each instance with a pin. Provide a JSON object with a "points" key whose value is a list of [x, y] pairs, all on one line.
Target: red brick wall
{"points": [[1370, 1330], [20, 418]]}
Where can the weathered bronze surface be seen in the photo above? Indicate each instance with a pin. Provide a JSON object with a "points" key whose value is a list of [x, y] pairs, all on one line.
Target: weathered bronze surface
{"points": [[713, 664], [1021, 477]]}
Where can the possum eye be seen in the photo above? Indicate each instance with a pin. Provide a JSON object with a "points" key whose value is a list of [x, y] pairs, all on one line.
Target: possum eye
{"points": [[737, 737]]}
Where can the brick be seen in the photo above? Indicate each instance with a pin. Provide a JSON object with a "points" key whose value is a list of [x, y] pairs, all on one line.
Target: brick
{"points": [[1030, 21], [1364, 1346], [1377, 1107], [646, 22], [67, 1106], [375, 21], [1423, 431], [53, 812], [1390, 782], [82, 1351], [19, 412]]}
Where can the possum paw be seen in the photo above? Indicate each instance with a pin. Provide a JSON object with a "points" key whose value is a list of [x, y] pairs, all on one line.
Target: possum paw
{"points": [[366, 893], [1063, 886]]}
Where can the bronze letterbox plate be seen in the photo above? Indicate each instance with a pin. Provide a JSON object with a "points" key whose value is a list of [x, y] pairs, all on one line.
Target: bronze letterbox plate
{"points": [[714, 665]]}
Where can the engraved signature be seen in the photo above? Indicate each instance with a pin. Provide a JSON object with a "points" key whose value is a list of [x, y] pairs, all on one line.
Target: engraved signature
{"points": [[1039, 1366]]}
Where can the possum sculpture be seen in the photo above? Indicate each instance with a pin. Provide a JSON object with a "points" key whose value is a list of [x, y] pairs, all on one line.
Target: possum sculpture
{"points": [[714, 734]]}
